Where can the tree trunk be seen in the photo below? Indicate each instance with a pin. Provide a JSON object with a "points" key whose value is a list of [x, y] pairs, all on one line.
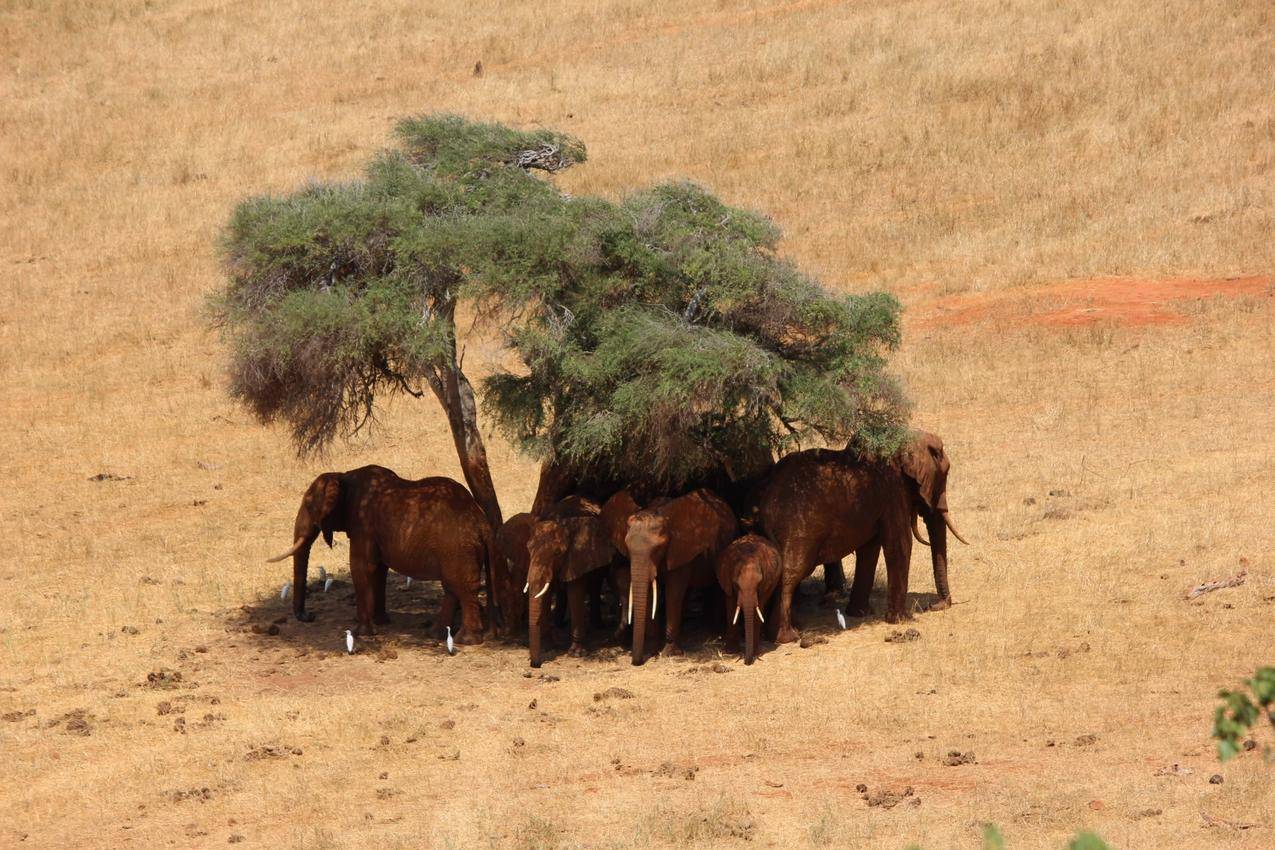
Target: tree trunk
{"points": [[456, 395], [554, 485]]}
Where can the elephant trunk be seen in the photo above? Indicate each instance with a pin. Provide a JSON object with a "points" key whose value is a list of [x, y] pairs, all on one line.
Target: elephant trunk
{"points": [[639, 590], [937, 529], [748, 603], [535, 607], [300, 570]]}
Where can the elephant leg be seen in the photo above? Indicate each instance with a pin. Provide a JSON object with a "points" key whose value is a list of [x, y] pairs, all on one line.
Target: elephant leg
{"points": [[796, 565], [467, 591], [834, 577], [732, 624], [675, 584], [898, 555], [865, 573], [380, 616], [577, 591], [363, 577], [595, 581], [446, 613]]}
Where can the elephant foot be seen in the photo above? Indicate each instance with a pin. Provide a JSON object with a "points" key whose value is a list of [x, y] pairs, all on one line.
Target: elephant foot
{"points": [[364, 630], [787, 634], [858, 609], [577, 651], [897, 617], [381, 619], [941, 605], [672, 649], [305, 616], [467, 637]]}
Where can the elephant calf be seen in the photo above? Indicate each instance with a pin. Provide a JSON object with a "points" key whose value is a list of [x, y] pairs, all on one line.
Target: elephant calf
{"points": [[748, 571], [426, 529]]}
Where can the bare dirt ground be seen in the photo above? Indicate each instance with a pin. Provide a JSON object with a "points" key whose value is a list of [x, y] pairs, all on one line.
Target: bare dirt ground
{"points": [[1074, 203]]}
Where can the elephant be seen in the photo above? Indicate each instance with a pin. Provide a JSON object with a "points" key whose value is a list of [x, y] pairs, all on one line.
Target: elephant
{"points": [[748, 571], [427, 529], [511, 541], [820, 505], [565, 551], [675, 541]]}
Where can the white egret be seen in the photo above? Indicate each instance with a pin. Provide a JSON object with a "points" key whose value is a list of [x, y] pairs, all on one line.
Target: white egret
{"points": [[287, 586], [409, 582], [327, 585], [349, 642], [841, 620], [323, 574], [451, 646]]}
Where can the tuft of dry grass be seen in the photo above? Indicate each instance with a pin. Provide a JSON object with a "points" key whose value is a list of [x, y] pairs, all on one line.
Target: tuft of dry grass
{"points": [[928, 148]]}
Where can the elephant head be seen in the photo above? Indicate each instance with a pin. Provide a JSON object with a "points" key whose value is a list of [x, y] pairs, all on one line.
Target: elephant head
{"points": [[665, 538], [925, 463], [615, 518], [319, 513], [561, 550]]}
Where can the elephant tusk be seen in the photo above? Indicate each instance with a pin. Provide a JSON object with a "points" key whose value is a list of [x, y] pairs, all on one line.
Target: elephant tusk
{"points": [[916, 532], [759, 616], [543, 590], [630, 603], [526, 588], [295, 548], [952, 528], [655, 598], [735, 619]]}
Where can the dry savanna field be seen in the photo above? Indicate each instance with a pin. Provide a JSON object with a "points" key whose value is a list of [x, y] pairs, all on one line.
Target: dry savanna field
{"points": [[1076, 204]]}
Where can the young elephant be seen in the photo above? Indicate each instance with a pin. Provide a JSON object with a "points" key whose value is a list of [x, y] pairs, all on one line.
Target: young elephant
{"points": [[748, 571], [569, 551], [675, 541], [426, 529]]}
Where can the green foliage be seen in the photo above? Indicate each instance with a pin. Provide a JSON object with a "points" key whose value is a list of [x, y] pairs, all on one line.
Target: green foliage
{"points": [[680, 347], [992, 838], [1241, 711], [338, 293], [661, 340]]}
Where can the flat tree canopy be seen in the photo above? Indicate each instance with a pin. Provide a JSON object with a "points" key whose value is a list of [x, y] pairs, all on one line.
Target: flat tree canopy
{"points": [[661, 339]]}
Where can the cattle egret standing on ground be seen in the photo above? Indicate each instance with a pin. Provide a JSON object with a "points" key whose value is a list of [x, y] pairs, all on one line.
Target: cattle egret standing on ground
{"points": [[841, 620], [409, 582], [323, 574], [451, 647], [283, 594], [327, 585], [349, 642]]}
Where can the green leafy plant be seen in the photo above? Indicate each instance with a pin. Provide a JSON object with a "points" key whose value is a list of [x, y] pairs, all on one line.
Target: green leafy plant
{"points": [[1241, 710]]}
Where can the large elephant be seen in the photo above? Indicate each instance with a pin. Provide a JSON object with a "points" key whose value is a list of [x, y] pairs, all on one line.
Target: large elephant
{"points": [[426, 529], [564, 551], [748, 571], [675, 541], [820, 505]]}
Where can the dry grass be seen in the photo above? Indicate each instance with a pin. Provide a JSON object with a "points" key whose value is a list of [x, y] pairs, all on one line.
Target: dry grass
{"points": [[926, 147]]}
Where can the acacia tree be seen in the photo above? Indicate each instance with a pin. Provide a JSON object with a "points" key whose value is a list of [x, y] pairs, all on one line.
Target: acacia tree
{"points": [[338, 294], [662, 341]]}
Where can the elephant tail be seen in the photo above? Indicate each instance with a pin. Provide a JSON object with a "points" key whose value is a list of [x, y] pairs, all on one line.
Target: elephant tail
{"points": [[296, 547]]}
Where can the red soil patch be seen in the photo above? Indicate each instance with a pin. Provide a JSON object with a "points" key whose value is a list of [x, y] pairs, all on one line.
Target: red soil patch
{"points": [[1119, 300]]}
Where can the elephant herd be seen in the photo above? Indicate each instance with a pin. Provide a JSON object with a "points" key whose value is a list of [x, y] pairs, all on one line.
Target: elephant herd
{"points": [[749, 548]]}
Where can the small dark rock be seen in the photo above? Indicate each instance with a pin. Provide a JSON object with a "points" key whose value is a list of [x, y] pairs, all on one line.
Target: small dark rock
{"points": [[385, 740], [861, 788], [447, 724], [234, 839], [1250, 744], [1215, 779], [900, 636], [955, 758], [533, 703], [808, 641], [1057, 493], [519, 742], [1086, 740], [129, 630], [719, 667], [1029, 501], [550, 678]]}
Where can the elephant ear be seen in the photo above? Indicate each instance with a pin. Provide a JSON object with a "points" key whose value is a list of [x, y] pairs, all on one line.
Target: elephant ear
{"points": [[925, 462], [590, 550], [326, 492]]}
